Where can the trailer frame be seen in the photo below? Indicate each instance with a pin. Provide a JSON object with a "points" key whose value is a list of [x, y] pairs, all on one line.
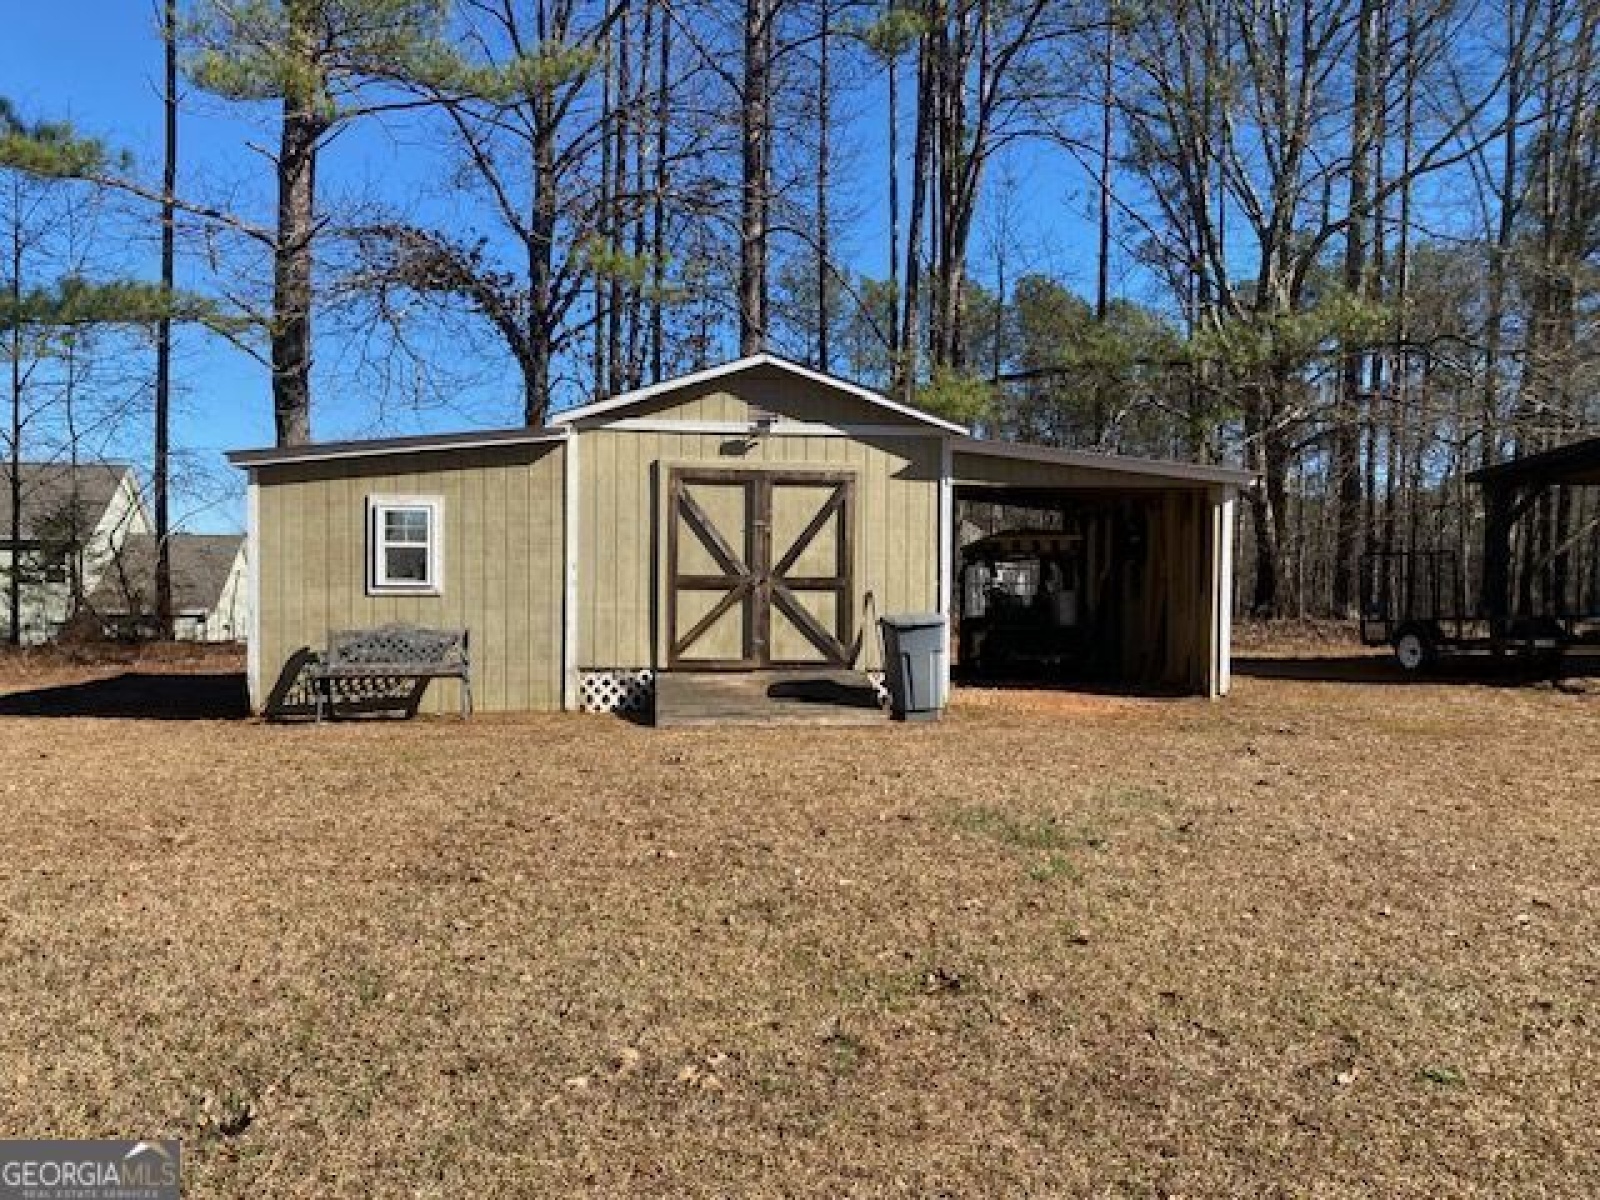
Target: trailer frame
{"points": [[1422, 605]]}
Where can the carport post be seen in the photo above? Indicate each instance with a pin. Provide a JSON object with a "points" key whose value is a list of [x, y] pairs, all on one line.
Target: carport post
{"points": [[1221, 672], [947, 538]]}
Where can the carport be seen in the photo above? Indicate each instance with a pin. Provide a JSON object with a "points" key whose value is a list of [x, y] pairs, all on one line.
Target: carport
{"points": [[1134, 573]]}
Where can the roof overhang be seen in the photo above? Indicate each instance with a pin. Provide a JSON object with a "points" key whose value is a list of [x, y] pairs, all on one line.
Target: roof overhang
{"points": [[423, 444], [1576, 464], [627, 400], [1176, 473]]}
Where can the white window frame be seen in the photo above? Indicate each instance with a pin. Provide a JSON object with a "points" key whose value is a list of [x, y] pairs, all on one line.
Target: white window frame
{"points": [[378, 582]]}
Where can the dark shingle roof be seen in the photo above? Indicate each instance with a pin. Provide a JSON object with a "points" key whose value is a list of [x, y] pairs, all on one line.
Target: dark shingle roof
{"points": [[200, 566], [59, 500]]}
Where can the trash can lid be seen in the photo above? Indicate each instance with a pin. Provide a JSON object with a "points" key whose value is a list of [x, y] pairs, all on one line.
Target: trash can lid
{"points": [[924, 620]]}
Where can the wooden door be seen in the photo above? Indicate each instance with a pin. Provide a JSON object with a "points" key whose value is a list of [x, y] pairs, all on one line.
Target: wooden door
{"points": [[760, 569]]}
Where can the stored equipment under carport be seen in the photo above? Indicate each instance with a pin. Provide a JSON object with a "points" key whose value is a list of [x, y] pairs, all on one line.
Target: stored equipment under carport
{"points": [[1021, 593]]}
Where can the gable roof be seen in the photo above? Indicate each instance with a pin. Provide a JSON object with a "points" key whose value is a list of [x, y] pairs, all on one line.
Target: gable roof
{"points": [[59, 499], [627, 400], [200, 562]]}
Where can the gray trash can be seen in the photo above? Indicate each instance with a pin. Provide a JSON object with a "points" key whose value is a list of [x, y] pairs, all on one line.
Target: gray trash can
{"points": [[914, 649]]}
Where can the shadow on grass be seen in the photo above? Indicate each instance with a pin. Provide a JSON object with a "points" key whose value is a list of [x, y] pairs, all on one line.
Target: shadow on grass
{"points": [[1383, 669], [138, 695]]}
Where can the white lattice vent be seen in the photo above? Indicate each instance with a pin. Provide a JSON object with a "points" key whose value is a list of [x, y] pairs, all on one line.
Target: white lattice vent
{"points": [[625, 691]]}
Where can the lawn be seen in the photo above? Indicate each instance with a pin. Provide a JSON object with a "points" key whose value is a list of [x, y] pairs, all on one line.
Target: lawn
{"points": [[1325, 938]]}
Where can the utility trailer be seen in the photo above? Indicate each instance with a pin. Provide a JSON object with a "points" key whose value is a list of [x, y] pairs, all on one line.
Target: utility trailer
{"points": [[1527, 605], [1419, 604]]}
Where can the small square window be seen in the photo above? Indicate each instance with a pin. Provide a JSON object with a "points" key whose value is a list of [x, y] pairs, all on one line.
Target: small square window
{"points": [[404, 555]]}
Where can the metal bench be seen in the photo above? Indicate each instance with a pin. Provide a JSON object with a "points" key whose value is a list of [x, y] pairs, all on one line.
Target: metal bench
{"points": [[394, 652]]}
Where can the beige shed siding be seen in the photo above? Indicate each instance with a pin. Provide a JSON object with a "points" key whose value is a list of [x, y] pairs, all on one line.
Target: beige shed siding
{"points": [[795, 399], [502, 566], [621, 521]]}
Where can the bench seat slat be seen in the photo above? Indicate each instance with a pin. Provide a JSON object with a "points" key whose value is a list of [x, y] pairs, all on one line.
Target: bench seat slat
{"points": [[339, 671], [395, 652]]}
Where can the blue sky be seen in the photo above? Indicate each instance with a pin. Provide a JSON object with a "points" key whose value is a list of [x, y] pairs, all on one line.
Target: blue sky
{"points": [[97, 63]]}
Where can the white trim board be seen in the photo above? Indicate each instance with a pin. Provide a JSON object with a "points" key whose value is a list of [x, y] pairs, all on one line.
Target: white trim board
{"points": [[252, 540], [666, 387], [748, 429], [571, 683]]}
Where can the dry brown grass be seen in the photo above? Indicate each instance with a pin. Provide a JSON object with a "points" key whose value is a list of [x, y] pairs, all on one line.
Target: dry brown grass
{"points": [[1322, 939]]}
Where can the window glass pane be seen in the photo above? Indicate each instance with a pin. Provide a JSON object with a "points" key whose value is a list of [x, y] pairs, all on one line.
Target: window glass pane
{"points": [[405, 564], [405, 525]]}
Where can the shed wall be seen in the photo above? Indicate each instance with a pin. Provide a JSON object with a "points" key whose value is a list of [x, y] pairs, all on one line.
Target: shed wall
{"points": [[502, 564]]}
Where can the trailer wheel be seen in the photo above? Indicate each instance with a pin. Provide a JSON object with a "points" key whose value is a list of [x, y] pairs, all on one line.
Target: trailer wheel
{"points": [[1414, 650]]}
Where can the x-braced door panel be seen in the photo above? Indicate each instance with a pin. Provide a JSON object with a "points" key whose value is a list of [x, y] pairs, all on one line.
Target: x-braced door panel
{"points": [[760, 569]]}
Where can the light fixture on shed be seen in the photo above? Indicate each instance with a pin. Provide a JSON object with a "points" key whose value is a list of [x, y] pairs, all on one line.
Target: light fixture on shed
{"points": [[762, 422]]}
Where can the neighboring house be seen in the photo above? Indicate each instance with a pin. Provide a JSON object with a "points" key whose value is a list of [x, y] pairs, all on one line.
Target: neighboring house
{"points": [[208, 588], [74, 520], [757, 515]]}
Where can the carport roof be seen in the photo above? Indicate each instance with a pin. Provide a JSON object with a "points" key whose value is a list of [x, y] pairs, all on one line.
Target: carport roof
{"points": [[372, 447], [1577, 463], [1181, 473]]}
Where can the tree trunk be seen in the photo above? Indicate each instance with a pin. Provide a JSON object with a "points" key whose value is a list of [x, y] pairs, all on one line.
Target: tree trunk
{"points": [[755, 134], [1500, 248], [637, 110], [824, 120], [163, 395], [540, 250], [1347, 414], [658, 222], [1269, 504], [304, 125], [894, 215], [1102, 281], [603, 229], [911, 317], [14, 568], [616, 302]]}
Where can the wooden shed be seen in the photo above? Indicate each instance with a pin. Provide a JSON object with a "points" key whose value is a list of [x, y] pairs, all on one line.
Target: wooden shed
{"points": [[757, 515]]}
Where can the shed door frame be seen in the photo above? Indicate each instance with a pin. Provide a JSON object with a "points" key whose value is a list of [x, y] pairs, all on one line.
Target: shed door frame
{"points": [[756, 578]]}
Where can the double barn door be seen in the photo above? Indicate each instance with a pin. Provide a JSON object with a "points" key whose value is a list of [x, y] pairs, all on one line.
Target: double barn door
{"points": [[760, 569]]}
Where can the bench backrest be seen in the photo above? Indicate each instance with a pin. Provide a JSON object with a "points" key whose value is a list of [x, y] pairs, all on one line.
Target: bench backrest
{"points": [[398, 644]]}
